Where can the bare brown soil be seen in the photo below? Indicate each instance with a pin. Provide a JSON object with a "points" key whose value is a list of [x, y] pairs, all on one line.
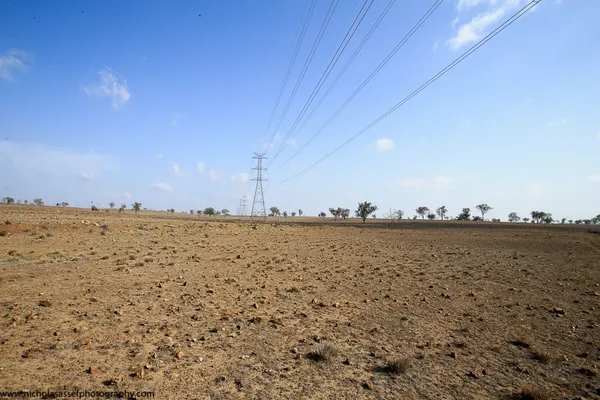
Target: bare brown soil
{"points": [[193, 308]]}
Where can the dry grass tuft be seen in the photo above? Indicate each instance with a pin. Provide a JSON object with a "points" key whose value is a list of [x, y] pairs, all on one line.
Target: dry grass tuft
{"points": [[395, 366], [322, 352], [541, 356], [529, 392]]}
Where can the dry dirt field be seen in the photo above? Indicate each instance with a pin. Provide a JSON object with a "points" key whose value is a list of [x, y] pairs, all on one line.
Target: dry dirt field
{"points": [[195, 308]]}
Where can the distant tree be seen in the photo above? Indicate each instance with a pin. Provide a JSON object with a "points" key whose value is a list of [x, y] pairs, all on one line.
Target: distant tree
{"points": [[525, 219], [496, 220], [562, 221], [274, 212], [422, 211], [399, 214], [64, 204], [513, 217], [322, 214], [300, 212], [137, 206], [477, 218], [431, 216], [94, 208], [111, 204], [25, 201], [344, 212], [441, 212], [293, 213], [210, 211], [285, 214], [199, 212], [541, 217], [483, 209], [364, 209], [122, 208], [8, 200], [192, 212], [596, 219], [38, 202], [225, 212], [465, 215], [570, 221], [335, 212], [171, 210]]}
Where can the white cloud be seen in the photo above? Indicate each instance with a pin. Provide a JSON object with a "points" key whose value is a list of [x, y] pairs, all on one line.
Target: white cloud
{"points": [[437, 182], [176, 169], [13, 62], [477, 27], [594, 178], [162, 186], [86, 176], [38, 160], [111, 86], [241, 178], [466, 4], [200, 167], [384, 145]]}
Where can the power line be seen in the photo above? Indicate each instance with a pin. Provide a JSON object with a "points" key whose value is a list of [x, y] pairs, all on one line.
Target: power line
{"points": [[348, 63], [307, 62], [436, 4], [424, 85], [290, 67], [367, 4]]}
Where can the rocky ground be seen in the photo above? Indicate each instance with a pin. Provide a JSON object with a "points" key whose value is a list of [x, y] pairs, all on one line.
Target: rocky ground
{"points": [[196, 308]]}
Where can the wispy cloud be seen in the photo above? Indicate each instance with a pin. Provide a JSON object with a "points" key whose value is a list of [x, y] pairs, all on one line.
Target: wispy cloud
{"points": [[162, 186], [86, 176], [13, 62], [200, 167], [111, 86], [176, 169], [384, 145], [38, 160], [473, 30], [437, 182]]}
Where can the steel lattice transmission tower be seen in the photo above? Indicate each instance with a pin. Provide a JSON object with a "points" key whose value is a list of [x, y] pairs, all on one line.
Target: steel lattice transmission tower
{"points": [[258, 202], [243, 206]]}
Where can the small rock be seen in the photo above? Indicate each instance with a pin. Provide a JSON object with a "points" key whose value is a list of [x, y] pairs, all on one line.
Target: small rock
{"points": [[44, 303], [92, 370]]}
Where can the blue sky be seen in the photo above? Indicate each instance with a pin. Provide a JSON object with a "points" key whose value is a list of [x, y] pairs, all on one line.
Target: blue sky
{"points": [[164, 103]]}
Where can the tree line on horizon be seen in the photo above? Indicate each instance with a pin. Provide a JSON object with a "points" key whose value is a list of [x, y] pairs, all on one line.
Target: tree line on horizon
{"points": [[363, 211]]}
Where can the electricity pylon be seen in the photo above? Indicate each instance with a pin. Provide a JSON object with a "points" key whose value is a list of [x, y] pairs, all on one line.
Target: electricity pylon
{"points": [[258, 202]]}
